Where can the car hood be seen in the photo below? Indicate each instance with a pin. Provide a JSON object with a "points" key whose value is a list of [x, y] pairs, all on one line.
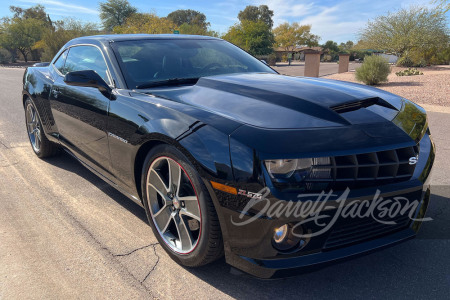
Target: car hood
{"points": [[275, 101]]}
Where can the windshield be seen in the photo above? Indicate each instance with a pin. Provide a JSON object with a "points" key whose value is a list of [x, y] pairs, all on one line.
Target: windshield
{"points": [[146, 61]]}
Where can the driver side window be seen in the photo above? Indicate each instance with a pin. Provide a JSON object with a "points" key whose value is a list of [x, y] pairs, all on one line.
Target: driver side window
{"points": [[86, 58], [59, 63]]}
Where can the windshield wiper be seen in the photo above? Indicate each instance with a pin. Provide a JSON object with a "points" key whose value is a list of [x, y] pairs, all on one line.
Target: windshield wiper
{"points": [[170, 81]]}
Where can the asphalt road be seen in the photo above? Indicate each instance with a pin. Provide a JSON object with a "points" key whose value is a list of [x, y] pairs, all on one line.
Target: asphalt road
{"points": [[64, 233]]}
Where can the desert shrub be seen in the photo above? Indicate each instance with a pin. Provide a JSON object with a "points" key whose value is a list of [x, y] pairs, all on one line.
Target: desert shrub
{"points": [[5, 56], [272, 59], [413, 59], [409, 72], [326, 58], [373, 71], [405, 61]]}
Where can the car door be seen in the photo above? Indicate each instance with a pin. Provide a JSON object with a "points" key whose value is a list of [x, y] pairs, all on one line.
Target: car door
{"points": [[81, 113]]}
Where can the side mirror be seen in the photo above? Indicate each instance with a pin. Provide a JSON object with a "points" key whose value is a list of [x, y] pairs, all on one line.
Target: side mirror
{"points": [[88, 78], [41, 64], [264, 62]]}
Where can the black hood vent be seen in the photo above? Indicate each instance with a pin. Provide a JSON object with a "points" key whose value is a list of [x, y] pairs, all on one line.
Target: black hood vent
{"points": [[355, 105]]}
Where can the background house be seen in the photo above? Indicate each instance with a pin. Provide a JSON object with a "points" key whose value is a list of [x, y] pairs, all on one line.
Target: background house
{"points": [[297, 53]]}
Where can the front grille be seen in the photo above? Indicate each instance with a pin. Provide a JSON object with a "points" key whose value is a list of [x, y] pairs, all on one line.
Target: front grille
{"points": [[359, 231], [362, 170], [353, 231]]}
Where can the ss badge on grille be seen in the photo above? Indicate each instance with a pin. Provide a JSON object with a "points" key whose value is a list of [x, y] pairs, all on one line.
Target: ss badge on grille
{"points": [[413, 160]]}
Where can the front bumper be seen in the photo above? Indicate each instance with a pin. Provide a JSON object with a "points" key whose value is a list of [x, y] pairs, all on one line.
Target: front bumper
{"points": [[276, 267], [249, 247]]}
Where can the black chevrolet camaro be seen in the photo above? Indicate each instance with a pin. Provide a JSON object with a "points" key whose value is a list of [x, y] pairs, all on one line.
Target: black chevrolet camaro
{"points": [[279, 174]]}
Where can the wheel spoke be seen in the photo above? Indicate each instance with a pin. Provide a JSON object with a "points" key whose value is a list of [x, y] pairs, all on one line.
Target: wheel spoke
{"points": [[188, 198], [173, 215], [156, 181], [191, 209], [30, 121], [175, 176], [162, 218], [33, 116], [30, 114], [36, 140], [153, 198], [184, 233]]}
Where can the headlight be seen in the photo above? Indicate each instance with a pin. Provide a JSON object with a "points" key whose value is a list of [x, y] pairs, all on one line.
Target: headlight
{"points": [[412, 119], [285, 168], [299, 169]]}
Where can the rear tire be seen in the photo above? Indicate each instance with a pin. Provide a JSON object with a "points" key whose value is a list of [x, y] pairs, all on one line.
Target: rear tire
{"points": [[41, 146], [179, 208]]}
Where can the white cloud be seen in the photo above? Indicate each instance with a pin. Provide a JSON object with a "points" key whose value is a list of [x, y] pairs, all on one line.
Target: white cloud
{"points": [[334, 20], [288, 9], [339, 22], [63, 7], [333, 24]]}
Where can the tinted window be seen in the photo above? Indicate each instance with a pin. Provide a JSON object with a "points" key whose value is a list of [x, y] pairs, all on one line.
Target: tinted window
{"points": [[145, 61], [86, 58], [59, 63]]}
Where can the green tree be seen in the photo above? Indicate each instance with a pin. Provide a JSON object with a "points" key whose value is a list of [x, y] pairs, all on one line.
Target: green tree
{"points": [[35, 12], [62, 31], [115, 12], [23, 29], [444, 5], [332, 49], [346, 47], [290, 36], [254, 37], [415, 31], [194, 29], [20, 34], [257, 13], [146, 23], [331, 46], [189, 17]]}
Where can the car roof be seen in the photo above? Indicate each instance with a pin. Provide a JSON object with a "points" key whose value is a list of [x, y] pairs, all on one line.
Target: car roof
{"points": [[131, 37]]}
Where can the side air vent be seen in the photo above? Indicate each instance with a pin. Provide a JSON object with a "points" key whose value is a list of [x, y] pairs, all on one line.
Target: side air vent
{"points": [[355, 105]]}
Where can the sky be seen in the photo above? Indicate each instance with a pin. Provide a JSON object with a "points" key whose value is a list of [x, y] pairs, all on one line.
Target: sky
{"points": [[339, 21]]}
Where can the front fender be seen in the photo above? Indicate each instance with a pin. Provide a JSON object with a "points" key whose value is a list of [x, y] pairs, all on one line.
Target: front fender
{"points": [[37, 85], [207, 147], [136, 124]]}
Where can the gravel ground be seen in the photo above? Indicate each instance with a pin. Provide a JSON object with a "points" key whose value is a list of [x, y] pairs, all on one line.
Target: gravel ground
{"points": [[432, 88]]}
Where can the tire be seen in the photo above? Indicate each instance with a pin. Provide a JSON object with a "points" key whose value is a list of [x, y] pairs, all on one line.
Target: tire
{"points": [[190, 241], [41, 146]]}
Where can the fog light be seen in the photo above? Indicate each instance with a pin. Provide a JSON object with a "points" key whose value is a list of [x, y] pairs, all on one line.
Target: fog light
{"points": [[280, 234], [287, 238]]}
